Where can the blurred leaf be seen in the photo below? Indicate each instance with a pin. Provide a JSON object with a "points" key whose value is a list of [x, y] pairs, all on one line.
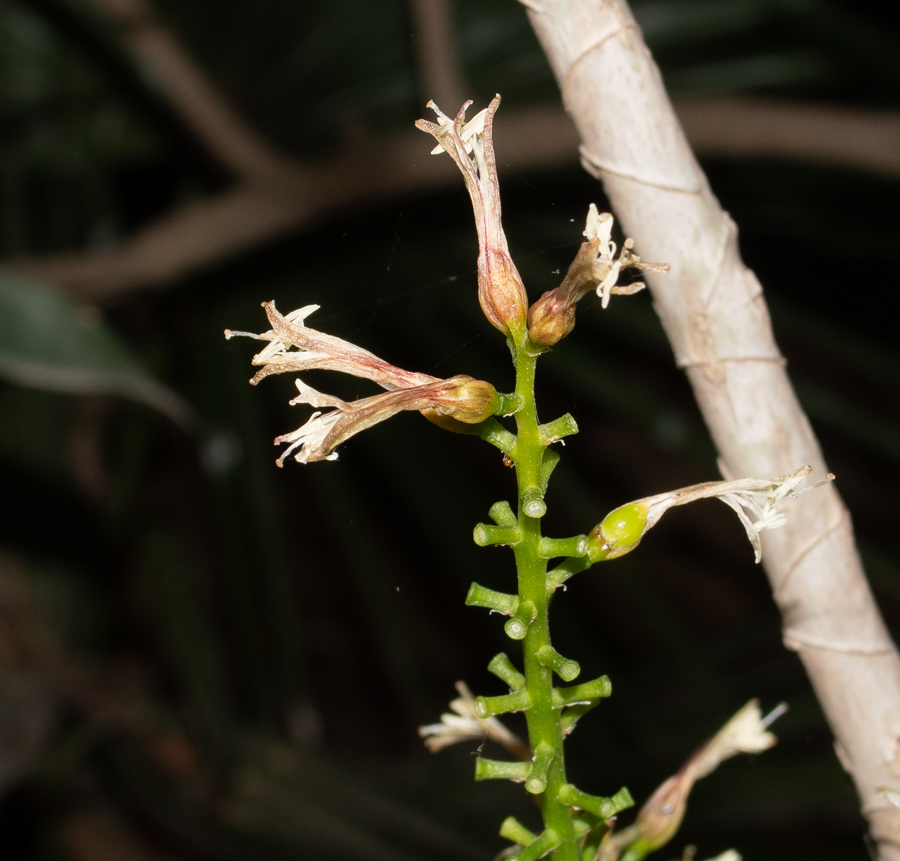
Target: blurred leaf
{"points": [[49, 342], [666, 22], [753, 72]]}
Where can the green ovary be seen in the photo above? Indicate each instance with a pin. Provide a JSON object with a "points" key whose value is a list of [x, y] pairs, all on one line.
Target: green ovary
{"points": [[619, 533]]}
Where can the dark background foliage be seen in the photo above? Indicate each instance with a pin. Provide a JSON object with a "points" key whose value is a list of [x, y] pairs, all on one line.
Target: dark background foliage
{"points": [[238, 656]]}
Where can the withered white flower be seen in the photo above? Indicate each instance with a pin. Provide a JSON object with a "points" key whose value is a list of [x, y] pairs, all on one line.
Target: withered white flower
{"points": [[891, 795], [746, 732], [464, 725], [754, 500], [662, 814], [595, 267], [606, 266], [500, 288], [462, 398], [471, 133], [728, 855], [294, 347]]}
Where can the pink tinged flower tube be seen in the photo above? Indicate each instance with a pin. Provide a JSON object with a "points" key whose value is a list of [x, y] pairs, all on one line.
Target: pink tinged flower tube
{"points": [[454, 403], [294, 347], [462, 398], [470, 144], [661, 816]]}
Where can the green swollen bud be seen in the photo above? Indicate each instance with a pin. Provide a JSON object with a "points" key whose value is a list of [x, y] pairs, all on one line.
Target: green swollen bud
{"points": [[619, 533]]}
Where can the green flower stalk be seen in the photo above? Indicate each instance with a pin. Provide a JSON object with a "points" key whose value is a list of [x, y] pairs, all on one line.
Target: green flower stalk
{"points": [[577, 825]]}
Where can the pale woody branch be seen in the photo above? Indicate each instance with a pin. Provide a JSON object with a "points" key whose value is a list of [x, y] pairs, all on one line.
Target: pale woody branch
{"points": [[713, 311]]}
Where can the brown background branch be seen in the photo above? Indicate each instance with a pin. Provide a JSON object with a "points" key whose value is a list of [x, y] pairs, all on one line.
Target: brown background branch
{"points": [[275, 195]]}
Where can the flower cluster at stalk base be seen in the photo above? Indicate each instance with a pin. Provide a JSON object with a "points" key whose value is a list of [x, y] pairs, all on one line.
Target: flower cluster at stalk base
{"points": [[754, 500], [293, 347]]}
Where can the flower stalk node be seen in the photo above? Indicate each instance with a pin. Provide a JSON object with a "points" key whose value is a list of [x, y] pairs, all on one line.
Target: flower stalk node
{"points": [[558, 429], [584, 693], [498, 436], [499, 602], [496, 769], [508, 405], [567, 669], [517, 627], [532, 501], [550, 548], [502, 667], [566, 569], [502, 514], [573, 714], [486, 535], [548, 463], [486, 707], [537, 780], [605, 808], [516, 832], [543, 845]]}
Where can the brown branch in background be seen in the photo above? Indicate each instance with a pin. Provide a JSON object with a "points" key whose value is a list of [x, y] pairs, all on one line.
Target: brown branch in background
{"points": [[191, 93], [275, 195], [739, 127], [714, 314], [437, 53], [209, 232]]}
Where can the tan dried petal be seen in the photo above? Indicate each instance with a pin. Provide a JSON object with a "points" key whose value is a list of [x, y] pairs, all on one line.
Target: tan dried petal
{"points": [[317, 351], [460, 397], [595, 267], [465, 725], [500, 288], [663, 812]]}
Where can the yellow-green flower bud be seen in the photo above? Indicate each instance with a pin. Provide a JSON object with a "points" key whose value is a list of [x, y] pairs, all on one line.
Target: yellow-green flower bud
{"points": [[619, 533]]}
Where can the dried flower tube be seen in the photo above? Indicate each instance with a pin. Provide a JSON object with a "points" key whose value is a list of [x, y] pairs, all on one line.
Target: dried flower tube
{"points": [[463, 724], [470, 144], [293, 347], [595, 268], [662, 814], [461, 398]]}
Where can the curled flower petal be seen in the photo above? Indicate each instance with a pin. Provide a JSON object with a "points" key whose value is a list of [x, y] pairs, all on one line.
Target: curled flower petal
{"points": [[595, 267], [465, 725], [500, 289]]}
